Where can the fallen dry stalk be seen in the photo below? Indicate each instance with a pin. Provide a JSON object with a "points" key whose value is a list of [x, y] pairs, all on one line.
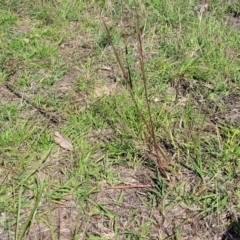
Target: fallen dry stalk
{"points": [[131, 186]]}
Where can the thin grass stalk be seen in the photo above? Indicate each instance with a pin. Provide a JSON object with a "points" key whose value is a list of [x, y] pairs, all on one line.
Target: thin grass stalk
{"points": [[30, 217], [128, 70], [140, 51], [127, 77], [157, 148], [128, 80], [19, 210]]}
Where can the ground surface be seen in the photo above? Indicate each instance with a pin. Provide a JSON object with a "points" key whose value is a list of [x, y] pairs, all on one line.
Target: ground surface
{"points": [[58, 73]]}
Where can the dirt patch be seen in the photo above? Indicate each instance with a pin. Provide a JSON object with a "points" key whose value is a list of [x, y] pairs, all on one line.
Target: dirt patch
{"points": [[234, 15], [62, 218], [75, 51], [234, 22], [7, 96], [23, 26], [106, 89], [57, 221], [134, 213], [230, 114]]}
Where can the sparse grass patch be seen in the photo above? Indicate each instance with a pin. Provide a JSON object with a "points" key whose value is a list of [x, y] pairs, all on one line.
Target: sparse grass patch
{"points": [[57, 57]]}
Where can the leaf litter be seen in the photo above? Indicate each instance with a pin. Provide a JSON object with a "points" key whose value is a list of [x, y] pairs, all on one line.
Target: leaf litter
{"points": [[62, 141]]}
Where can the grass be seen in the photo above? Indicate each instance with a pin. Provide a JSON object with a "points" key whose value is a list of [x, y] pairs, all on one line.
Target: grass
{"points": [[57, 55]]}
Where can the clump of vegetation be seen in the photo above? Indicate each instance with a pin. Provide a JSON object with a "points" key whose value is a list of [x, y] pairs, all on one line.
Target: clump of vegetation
{"points": [[88, 99]]}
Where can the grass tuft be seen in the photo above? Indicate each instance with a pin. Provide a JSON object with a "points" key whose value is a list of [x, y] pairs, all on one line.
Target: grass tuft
{"points": [[126, 82]]}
